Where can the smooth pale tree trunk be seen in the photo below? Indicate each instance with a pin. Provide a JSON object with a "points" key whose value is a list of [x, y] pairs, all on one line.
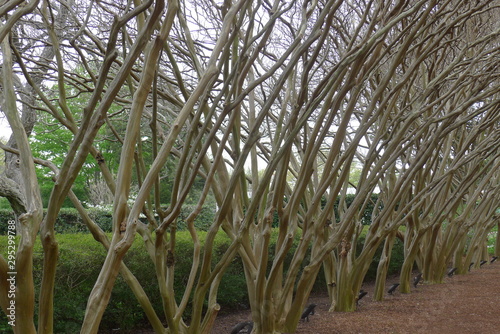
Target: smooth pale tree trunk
{"points": [[101, 292], [329, 266], [458, 256], [410, 255], [127, 275], [345, 295], [433, 274], [30, 221], [383, 266], [350, 280]]}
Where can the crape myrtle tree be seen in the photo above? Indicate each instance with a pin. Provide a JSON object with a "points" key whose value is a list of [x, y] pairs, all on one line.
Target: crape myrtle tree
{"points": [[247, 95], [411, 104], [427, 175]]}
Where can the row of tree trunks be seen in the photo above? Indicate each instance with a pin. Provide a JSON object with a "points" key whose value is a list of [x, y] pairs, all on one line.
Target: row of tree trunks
{"points": [[280, 110]]}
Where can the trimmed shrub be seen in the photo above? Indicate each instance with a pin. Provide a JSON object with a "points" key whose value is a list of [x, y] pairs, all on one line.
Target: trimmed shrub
{"points": [[81, 259], [4, 204], [5, 216], [366, 217], [69, 220]]}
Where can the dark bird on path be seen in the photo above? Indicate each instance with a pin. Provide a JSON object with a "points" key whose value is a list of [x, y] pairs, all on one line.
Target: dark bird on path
{"points": [[470, 265], [392, 288], [417, 279], [493, 259], [482, 262], [247, 326], [451, 272], [361, 294], [309, 310]]}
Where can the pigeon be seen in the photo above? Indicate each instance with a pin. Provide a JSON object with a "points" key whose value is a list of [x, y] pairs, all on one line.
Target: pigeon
{"points": [[361, 294], [393, 288], [308, 311], [248, 325], [417, 279]]}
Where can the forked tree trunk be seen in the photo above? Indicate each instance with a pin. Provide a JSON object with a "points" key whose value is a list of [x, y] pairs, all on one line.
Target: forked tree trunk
{"points": [[383, 266], [410, 255], [24, 296]]}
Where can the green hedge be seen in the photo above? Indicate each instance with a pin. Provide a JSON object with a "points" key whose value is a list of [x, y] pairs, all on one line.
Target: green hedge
{"points": [[366, 217], [69, 221], [81, 258], [5, 216]]}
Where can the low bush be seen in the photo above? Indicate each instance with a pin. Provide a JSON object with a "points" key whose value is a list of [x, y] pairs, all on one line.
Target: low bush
{"points": [[5, 216], [81, 258], [397, 259], [69, 220]]}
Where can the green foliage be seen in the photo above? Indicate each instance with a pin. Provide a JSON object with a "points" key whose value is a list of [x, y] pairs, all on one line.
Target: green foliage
{"points": [[4, 203], [366, 217], [202, 222], [124, 310], [50, 141], [102, 217], [492, 237], [5, 216], [397, 258], [81, 258], [68, 220], [355, 172]]}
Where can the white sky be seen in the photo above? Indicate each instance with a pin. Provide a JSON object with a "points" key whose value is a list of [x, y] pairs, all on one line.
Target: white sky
{"points": [[4, 127]]}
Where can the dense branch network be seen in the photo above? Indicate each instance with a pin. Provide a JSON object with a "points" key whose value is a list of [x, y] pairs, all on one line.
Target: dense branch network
{"points": [[266, 109]]}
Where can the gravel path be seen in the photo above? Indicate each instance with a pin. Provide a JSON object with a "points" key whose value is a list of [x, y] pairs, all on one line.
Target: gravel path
{"points": [[463, 304]]}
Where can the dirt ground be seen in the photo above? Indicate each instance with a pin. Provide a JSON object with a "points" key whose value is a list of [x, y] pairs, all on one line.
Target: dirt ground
{"points": [[463, 304]]}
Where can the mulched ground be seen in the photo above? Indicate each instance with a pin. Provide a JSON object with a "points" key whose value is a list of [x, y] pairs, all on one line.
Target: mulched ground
{"points": [[463, 304]]}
